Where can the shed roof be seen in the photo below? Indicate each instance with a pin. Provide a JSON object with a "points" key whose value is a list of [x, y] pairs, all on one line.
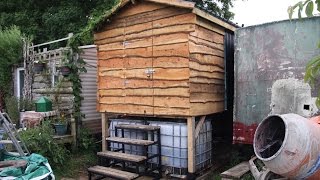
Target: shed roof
{"points": [[181, 4]]}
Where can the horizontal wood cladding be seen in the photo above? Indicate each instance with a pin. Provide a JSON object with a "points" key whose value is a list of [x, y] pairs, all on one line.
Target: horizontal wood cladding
{"points": [[160, 73], [127, 109], [177, 92], [209, 25], [186, 28], [207, 34], [198, 109], [146, 42], [130, 29], [160, 60], [178, 23], [168, 102], [207, 71], [206, 88], [119, 83], [168, 50], [147, 16]]}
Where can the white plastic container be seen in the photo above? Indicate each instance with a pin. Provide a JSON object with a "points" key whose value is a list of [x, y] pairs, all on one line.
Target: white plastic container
{"points": [[174, 144]]}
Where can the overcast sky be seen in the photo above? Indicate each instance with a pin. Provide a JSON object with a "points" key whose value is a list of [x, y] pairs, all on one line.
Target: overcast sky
{"points": [[252, 12]]}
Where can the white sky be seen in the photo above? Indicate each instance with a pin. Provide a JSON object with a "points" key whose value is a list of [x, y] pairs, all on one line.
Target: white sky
{"points": [[252, 12]]}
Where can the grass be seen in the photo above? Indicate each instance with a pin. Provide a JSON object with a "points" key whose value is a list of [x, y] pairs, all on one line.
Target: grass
{"points": [[237, 155], [76, 164]]}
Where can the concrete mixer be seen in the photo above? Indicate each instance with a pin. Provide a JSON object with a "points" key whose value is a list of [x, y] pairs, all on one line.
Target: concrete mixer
{"points": [[289, 145]]}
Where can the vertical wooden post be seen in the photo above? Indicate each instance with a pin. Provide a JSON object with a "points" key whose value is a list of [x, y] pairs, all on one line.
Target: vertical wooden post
{"points": [[191, 145], [105, 130], [73, 131]]}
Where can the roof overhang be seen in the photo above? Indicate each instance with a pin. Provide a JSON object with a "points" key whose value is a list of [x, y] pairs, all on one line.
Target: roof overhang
{"points": [[180, 4]]}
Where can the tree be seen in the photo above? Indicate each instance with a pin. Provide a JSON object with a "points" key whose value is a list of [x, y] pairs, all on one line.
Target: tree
{"points": [[220, 8], [10, 53], [52, 19], [313, 66]]}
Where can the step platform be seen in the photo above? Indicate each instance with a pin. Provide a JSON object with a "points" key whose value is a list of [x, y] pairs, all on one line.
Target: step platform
{"points": [[122, 156], [112, 173]]}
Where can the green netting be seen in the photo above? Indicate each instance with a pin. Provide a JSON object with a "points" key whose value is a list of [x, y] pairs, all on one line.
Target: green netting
{"points": [[37, 168]]}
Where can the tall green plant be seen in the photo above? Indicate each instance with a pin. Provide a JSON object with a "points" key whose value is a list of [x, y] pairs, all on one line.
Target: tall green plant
{"points": [[11, 47], [313, 66], [12, 108], [40, 140]]}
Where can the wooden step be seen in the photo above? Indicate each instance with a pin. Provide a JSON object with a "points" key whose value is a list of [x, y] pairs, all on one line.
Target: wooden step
{"points": [[138, 127], [122, 156], [113, 173], [130, 141]]}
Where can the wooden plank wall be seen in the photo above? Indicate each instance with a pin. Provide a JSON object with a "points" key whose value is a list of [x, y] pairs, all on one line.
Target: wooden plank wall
{"points": [[43, 85], [207, 89], [142, 36]]}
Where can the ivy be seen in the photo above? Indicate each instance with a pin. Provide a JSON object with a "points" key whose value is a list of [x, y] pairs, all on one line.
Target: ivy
{"points": [[76, 66]]}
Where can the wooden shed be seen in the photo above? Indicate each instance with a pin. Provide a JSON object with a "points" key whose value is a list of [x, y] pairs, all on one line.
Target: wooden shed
{"points": [[161, 58]]}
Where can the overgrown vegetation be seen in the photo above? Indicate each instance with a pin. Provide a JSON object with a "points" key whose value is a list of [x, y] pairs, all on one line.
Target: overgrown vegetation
{"points": [[15, 105], [10, 53], [51, 19], [313, 66], [40, 140]]}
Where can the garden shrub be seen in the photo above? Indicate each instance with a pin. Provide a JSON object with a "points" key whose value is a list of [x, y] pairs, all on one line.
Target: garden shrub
{"points": [[40, 140]]}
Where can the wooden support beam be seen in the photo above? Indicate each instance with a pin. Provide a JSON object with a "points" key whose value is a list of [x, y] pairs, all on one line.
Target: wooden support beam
{"points": [[199, 126], [73, 131], [191, 145], [104, 130]]}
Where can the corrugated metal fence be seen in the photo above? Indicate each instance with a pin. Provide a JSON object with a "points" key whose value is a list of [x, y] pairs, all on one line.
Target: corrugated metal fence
{"points": [[92, 119]]}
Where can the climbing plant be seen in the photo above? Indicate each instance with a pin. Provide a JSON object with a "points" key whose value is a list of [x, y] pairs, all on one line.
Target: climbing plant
{"points": [[76, 66], [11, 46], [313, 66]]}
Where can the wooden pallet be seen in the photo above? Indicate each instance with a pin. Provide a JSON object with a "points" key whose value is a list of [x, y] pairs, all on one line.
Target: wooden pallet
{"points": [[110, 172], [130, 141], [122, 156]]}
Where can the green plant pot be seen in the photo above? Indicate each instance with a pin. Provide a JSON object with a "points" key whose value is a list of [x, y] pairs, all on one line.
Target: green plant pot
{"points": [[61, 129]]}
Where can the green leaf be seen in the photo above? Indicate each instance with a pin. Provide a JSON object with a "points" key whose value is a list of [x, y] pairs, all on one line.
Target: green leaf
{"points": [[290, 11], [309, 9], [318, 4]]}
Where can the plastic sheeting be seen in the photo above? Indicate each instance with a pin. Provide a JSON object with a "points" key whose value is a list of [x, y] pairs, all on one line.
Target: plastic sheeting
{"points": [[37, 168]]}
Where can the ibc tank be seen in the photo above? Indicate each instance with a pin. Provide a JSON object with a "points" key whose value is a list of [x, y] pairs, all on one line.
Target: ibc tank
{"points": [[174, 145], [289, 145]]}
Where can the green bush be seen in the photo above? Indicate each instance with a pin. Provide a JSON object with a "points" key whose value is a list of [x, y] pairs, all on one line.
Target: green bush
{"points": [[14, 105], [40, 140], [12, 108], [86, 141]]}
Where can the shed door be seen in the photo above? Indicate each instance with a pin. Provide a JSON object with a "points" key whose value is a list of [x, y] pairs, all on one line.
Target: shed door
{"points": [[138, 55]]}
